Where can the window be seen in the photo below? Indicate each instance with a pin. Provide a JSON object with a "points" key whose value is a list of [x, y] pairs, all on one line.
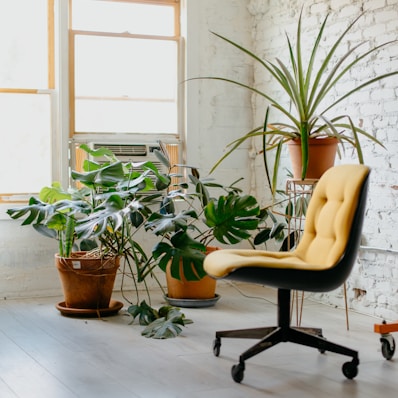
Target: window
{"points": [[125, 57], [26, 100], [76, 71]]}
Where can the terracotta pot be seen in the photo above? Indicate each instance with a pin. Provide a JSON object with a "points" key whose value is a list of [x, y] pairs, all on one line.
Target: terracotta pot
{"points": [[203, 289], [87, 282], [322, 154]]}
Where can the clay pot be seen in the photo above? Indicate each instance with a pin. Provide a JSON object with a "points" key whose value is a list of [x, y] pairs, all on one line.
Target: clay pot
{"points": [[202, 289], [322, 154], [87, 282]]}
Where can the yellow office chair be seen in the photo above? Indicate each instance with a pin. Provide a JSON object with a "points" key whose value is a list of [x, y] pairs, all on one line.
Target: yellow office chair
{"points": [[321, 262]]}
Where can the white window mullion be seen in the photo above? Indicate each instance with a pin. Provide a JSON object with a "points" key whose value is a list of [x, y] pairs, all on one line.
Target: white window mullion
{"points": [[60, 112]]}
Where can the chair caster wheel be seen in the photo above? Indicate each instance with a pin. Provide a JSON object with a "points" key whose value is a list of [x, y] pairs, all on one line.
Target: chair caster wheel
{"points": [[237, 372], [216, 347], [350, 369], [387, 346]]}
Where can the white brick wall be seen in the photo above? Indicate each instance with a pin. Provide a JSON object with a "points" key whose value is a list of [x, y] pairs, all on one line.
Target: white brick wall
{"points": [[217, 112], [224, 113], [376, 272]]}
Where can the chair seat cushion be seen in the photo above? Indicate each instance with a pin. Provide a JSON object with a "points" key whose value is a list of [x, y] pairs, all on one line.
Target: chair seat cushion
{"points": [[222, 262]]}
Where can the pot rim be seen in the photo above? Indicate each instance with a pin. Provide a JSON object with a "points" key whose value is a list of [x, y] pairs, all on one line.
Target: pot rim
{"points": [[315, 141]]}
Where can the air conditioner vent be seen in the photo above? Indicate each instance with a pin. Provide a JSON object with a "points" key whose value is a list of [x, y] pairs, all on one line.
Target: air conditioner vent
{"points": [[125, 149]]}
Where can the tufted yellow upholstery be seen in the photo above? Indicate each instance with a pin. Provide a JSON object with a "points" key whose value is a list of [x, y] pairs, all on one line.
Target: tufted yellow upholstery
{"points": [[327, 228]]}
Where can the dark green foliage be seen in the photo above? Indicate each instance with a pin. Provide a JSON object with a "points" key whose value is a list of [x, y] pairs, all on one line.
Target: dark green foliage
{"points": [[165, 323]]}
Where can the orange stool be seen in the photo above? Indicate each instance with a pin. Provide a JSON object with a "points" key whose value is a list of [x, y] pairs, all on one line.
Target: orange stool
{"points": [[387, 340]]}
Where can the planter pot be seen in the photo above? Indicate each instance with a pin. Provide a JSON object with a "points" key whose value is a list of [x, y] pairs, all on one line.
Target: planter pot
{"points": [[204, 289], [322, 154], [87, 282]]}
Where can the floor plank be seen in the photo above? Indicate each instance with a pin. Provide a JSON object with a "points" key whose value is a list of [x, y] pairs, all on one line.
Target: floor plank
{"points": [[44, 354]]}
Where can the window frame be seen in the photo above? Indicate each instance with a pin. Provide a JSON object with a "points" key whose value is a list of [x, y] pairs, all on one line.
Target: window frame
{"points": [[60, 84], [12, 197], [84, 137]]}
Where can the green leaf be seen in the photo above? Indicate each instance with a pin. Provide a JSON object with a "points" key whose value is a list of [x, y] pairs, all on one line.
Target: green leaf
{"points": [[100, 152], [136, 218], [146, 314], [182, 251], [161, 224], [35, 212], [289, 241], [45, 231], [162, 180], [289, 210], [200, 188], [163, 158], [54, 193], [277, 229], [262, 236], [106, 176], [301, 205], [88, 245], [167, 206], [169, 325], [232, 217]]}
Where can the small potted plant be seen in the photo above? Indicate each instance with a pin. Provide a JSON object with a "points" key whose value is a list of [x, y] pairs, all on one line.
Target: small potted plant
{"points": [[305, 118], [95, 226], [189, 219]]}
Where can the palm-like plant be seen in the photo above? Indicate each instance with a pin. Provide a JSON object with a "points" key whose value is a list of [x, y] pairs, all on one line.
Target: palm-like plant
{"points": [[306, 87]]}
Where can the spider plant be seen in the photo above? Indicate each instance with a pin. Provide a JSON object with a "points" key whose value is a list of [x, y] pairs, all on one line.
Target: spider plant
{"points": [[306, 86]]}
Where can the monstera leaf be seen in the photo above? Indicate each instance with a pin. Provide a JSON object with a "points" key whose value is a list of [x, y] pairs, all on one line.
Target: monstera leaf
{"points": [[183, 253], [161, 224], [167, 325], [106, 176], [232, 217]]}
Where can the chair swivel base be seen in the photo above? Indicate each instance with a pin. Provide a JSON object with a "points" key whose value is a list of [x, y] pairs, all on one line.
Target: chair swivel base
{"points": [[270, 336]]}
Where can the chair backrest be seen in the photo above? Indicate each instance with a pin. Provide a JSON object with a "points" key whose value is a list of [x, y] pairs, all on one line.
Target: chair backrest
{"points": [[330, 215]]}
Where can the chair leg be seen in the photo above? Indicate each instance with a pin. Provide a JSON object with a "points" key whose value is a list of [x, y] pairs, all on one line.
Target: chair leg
{"points": [[255, 333], [315, 331], [273, 338], [300, 336]]}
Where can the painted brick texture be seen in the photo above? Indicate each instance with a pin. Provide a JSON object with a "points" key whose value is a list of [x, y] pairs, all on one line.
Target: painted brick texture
{"points": [[376, 271]]}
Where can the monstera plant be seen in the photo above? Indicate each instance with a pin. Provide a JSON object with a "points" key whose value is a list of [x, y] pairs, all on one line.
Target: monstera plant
{"points": [[190, 218]]}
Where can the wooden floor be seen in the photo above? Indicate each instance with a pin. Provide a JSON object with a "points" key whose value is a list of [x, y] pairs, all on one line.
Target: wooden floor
{"points": [[44, 354]]}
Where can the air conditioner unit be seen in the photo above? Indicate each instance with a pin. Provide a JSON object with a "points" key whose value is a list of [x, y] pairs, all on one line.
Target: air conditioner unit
{"points": [[135, 153], [129, 152]]}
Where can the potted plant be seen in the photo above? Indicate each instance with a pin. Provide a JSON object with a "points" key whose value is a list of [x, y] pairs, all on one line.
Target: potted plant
{"points": [[188, 220], [95, 226], [98, 224], [306, 117]]}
